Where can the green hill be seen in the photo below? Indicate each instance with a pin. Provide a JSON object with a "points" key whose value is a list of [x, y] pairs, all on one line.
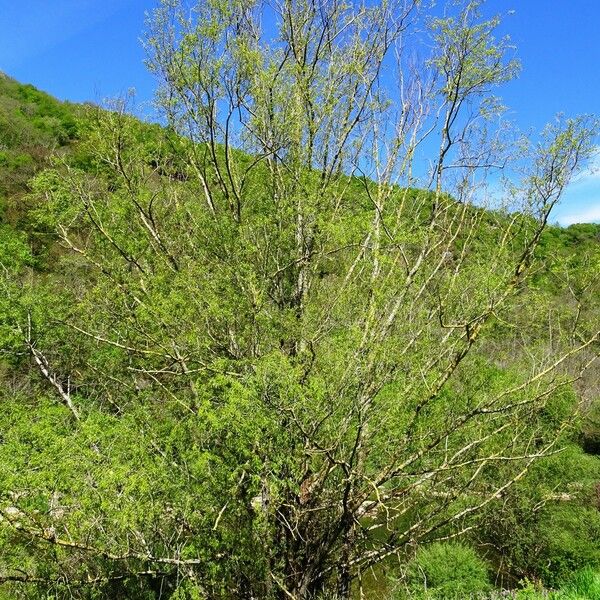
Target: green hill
{"points": [[33, 126]]}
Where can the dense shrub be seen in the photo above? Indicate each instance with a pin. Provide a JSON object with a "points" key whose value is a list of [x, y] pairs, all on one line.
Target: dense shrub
{"points": [[447, 570], [547, 526]]}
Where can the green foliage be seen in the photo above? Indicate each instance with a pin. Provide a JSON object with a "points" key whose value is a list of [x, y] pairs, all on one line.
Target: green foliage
{"points": [[470, 61], [581, 585], [29, 117], [447, 570], [32, 126], [548, 526]]}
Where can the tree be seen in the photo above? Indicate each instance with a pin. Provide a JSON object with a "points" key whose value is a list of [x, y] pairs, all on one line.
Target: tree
{"points": [[264, 363]]}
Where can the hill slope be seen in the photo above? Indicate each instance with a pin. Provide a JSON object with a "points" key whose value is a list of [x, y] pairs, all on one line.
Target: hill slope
{"points": [[33, 125]]}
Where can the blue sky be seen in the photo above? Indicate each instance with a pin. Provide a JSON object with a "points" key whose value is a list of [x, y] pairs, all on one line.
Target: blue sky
{"points": [[90, 49]]}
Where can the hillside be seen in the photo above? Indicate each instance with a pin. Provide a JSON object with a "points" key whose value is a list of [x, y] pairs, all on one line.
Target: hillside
{"points": [[174, 393], [33, 126]]}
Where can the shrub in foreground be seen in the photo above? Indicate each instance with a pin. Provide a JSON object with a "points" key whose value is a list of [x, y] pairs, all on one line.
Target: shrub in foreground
{"points": [[447, 570]]}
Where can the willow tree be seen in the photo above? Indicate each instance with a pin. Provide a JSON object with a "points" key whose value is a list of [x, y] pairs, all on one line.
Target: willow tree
{"points": [[279, 348]]}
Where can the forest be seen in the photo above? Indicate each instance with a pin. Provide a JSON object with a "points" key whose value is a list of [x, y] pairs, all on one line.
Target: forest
{"points": [[255, 350]]}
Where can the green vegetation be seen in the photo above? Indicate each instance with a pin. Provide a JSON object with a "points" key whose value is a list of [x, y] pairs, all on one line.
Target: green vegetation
{"points": [[582, 585], [243, 356], [32, 126], [447, 570]]}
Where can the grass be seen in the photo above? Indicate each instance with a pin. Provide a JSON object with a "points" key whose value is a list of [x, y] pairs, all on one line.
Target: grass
{"points": [[582, 585]]}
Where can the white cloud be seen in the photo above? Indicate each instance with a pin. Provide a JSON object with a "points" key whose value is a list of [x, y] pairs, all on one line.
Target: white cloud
{"points": [[590, 214], [581, 200]]}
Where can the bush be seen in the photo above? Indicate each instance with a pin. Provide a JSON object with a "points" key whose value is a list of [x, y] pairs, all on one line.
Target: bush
{"points": [[547, 525], [447, 570], [570, 536]]}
